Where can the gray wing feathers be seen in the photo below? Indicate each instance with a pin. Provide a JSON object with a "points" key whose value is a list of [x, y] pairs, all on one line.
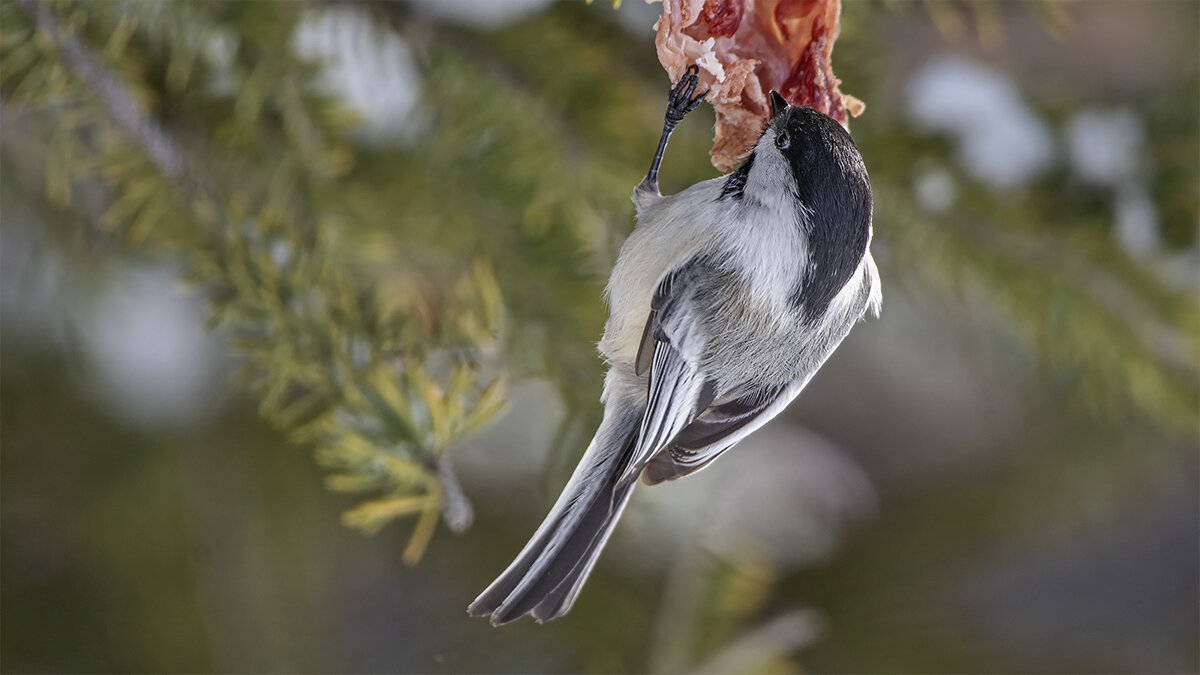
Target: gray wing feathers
{"points": [[672, 342], [645, 355], [675, 389], [717, 429]]}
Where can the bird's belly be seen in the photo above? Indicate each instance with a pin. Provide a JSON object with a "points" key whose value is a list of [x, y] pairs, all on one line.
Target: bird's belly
{"points": [[647, 256]]}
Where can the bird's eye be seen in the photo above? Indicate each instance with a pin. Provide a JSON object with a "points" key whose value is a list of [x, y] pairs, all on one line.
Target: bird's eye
{"points": [[783, 141]]}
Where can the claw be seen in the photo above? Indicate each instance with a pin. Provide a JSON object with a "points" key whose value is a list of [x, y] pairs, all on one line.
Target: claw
{"points": [[681, 101], [693, 78]]}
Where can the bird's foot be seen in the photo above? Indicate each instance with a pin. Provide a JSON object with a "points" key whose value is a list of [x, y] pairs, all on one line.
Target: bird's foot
{"points": [[681, 102]]}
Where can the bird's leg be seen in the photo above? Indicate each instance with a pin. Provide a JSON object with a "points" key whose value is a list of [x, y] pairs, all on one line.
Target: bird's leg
{"points": [[679, 104]]}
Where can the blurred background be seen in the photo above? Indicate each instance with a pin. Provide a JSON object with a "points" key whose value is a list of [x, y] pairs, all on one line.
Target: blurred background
{"points": [[238, 236]]}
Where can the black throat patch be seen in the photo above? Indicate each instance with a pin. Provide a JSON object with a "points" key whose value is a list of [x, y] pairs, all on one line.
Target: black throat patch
{"points": [[735, 184]]}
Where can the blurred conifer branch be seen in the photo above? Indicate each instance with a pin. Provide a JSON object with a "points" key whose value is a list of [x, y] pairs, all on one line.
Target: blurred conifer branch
{"points": [[953, 18], [381, 387], [1127, 342], [710, 617]]}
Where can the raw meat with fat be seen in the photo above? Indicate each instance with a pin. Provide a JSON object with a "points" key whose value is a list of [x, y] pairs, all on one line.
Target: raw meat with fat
{"points": [[746, 48]]}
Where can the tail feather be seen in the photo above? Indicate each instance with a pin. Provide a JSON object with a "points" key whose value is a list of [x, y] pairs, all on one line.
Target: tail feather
{"points": [[546, 576], [559, 601]]}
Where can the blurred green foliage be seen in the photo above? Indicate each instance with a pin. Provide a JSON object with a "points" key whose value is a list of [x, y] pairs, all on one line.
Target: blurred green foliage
{"points": [[379, 325], [382, 387]]}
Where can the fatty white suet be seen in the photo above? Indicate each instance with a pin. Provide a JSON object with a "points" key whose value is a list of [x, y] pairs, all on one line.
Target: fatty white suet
{"points": [[725, 300]]}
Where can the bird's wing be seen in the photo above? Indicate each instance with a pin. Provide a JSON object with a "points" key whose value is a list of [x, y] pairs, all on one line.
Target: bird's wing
{"points": [[671, 349], [729, 419], [718, 428]]}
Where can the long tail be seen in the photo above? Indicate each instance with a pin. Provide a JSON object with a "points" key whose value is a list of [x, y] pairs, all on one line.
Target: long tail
{"points": [[547, 575]]}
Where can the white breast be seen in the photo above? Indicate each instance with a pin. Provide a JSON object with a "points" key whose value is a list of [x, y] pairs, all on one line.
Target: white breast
{"points": [[759, 234]]}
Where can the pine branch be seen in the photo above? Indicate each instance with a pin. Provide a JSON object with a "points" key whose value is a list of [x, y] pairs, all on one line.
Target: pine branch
{"points": [[456, 508], [166, 155], [353, 408]]}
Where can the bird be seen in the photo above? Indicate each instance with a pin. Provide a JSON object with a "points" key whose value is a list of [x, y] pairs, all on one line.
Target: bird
{"points": [[724, 301]]}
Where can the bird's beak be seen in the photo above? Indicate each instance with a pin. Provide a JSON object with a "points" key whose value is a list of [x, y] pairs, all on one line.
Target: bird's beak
{"points": [[778, 104]]}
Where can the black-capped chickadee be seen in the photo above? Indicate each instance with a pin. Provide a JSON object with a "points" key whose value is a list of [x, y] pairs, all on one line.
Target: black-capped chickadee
{"points": [[725, 301]]}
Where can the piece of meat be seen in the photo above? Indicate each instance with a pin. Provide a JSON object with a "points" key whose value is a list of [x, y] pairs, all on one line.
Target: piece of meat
{"points": [[746, 48]]}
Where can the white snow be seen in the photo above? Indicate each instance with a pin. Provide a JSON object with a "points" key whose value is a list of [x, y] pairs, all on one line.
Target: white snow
{"points": [[1000, 141], [369, 68]]}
